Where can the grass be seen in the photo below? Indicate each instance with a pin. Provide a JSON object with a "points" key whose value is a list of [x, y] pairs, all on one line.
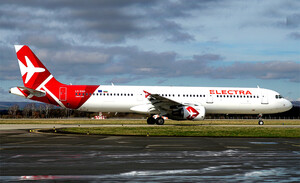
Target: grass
{"points": [[143, 121], [206, 128], [190, 131]]}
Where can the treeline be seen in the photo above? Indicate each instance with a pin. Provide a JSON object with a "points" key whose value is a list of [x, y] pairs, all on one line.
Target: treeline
{"points": [[32, 110], [37, 110]]}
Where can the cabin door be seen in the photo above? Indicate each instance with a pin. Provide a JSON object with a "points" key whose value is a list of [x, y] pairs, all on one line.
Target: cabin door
{"points": [[63, 93], [209, 99], [264, 99]]}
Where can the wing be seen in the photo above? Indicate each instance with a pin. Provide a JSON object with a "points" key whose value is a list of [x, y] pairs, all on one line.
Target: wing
{"points": [[162, 104]]}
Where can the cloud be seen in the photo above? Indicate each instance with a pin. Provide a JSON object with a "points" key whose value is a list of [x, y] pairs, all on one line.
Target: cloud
{"points": [[114, 38], [105, 21], [144, 64], [3, 91], [293, 21], [261, 70], [121, 80], [131, 63], [294, 35]]}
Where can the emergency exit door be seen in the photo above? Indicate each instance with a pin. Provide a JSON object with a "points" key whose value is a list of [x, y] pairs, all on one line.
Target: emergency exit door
{"points": [[63, 93]]}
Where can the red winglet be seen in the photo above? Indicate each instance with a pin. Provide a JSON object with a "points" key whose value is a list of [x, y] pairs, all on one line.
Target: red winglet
{"points": [[146, 94]]}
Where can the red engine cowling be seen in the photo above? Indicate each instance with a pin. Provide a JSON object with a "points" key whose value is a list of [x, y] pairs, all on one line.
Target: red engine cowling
{"points": [[193, 112]]}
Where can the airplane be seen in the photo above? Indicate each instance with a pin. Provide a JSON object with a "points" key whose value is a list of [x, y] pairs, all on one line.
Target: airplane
{"points": [[174, 102]]}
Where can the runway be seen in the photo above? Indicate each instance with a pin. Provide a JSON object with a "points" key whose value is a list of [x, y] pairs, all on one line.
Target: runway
{"points": [[77, 158]]}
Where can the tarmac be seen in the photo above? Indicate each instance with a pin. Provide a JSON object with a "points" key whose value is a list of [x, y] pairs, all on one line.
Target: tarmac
{"points": [[77, 158], [50, 126]]}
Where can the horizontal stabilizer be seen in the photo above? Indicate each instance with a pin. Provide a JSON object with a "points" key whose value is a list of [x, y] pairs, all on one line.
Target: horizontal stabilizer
{"points": [[27, 92]]}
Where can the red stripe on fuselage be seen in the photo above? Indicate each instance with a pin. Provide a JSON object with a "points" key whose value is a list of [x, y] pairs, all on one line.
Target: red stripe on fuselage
{"points": [[75, 101], [72, 101]]}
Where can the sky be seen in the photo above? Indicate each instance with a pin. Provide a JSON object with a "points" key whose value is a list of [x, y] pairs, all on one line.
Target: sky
{"points": [[228, 43]]}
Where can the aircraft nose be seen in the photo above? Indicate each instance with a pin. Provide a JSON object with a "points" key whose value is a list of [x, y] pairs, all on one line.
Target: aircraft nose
{"points": [[287, 104]]}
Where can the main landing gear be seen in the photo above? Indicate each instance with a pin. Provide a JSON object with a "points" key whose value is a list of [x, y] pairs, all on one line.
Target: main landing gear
{"points": [[159, 120], [260, 120]]}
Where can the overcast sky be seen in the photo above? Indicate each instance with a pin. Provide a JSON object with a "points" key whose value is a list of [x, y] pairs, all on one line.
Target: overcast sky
{"points": [[163, 42]]}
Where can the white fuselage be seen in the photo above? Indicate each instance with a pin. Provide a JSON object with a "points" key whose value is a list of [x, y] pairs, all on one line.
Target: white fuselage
{"points": [[179, 103], [218, 100]]}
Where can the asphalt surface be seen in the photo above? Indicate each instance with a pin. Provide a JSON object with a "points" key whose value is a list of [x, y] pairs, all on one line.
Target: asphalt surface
{"points": [[77, 158], [49, 126]]}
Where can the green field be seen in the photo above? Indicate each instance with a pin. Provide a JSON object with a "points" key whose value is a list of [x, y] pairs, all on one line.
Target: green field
{"points": [[190, 131], [206, 128]]}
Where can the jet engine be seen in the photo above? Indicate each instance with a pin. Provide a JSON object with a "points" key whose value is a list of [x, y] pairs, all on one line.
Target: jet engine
{"points": [[191, 112]]}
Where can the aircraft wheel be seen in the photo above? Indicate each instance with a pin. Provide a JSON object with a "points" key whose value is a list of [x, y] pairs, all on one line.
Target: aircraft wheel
{"points": [[260, 122], [160, 121], [151, 121]]}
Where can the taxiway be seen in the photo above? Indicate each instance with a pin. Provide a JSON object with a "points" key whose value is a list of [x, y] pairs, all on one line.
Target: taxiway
{"points": [[77, 158]]}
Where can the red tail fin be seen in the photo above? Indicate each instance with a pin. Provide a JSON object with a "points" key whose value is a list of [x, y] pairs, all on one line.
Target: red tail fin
{"points": [[40, 85], [34, 73]]}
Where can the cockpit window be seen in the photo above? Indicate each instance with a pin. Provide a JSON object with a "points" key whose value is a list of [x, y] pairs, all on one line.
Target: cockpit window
{"points": [[278, 96]]}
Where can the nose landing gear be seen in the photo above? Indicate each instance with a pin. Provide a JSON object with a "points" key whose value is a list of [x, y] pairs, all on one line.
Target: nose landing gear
{"points": [[260, 120]]}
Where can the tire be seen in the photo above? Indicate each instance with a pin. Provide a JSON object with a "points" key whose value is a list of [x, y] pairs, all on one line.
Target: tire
{"points": [[151, 121], [260, 122], [160, 121]]}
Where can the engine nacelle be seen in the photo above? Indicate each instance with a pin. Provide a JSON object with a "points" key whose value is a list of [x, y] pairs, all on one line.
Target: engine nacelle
{"points": [[191, 112]]}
